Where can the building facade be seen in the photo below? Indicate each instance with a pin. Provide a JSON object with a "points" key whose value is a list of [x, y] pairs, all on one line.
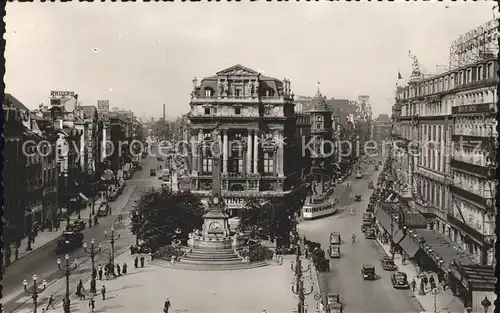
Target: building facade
{"points": [[255, 115], [382, 130]]}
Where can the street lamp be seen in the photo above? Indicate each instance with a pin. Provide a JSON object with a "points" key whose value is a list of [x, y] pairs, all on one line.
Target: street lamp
{"points": [[434, 293], [299, 280], [112, 237], [34, 290], [92, 251], [66, 268], [136, 214]]}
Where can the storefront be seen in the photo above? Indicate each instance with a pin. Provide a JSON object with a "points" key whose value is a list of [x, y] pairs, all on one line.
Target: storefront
{"points": [[475, 284]]}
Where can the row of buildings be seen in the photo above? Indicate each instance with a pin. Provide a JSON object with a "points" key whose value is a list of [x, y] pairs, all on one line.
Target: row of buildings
{"points": [[267, 147], [58, 155], [444, 130]]}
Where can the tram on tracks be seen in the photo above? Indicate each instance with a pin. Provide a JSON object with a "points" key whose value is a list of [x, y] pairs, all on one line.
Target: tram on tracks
{"points": [[315, 210]]}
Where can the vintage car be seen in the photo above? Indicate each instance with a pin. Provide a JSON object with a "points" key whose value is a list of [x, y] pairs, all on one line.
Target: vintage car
{"points": [[159, 159], [152, 172], [370, 207], [138, 167], [399, 280], [335, 238], [332, 297], [376, 167], [76, 226], [370, 233], [370, 184], [113, 195], [357, 197], [388, 264], [141, 248], [368, 272], [63, 213], [165, 185], [359, 174], [367, 218], [335, 308], [68, 241], [103, 209], [334, 251]]}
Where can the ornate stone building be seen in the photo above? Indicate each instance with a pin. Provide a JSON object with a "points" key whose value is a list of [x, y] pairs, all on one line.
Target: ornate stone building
{"points": [[255, 114]]}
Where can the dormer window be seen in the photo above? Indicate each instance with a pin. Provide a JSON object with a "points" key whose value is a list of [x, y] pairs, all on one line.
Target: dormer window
{"points": [[208, 93]]}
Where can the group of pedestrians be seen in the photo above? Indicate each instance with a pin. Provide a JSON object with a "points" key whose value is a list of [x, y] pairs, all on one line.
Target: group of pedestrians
{"points": [[429, 281]]}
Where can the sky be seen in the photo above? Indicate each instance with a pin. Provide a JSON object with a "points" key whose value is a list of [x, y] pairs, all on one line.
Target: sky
{"points": [[140, 56]]}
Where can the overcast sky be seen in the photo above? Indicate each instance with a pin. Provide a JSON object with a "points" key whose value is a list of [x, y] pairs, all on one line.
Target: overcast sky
{"points": [[141, 55]]}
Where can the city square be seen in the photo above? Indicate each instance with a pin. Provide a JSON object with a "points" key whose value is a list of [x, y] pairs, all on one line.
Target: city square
{"points": [[139, 177]]}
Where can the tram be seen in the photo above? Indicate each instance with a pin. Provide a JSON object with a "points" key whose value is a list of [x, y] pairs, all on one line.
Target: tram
{"points": [[315, 210]]}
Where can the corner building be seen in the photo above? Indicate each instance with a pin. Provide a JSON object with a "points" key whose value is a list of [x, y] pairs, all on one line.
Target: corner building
{"points": [[255, 114]]}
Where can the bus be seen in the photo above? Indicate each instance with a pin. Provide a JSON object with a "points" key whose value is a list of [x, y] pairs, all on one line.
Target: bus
{"points": [[315, 210]]}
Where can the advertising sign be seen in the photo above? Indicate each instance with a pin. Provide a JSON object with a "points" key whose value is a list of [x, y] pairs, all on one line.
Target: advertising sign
{"points": [[103, 108], [61, 94]]}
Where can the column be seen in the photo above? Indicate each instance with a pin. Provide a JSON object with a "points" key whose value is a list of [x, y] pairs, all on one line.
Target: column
{"points": [[256, 152], [225, 151], [249, 152], [279, 135], [194, 151]]}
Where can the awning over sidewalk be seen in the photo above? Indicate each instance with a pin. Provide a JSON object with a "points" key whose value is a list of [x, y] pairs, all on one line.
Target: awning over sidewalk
{"points": [[398, 236], [442, 247], [475, 277], [384, 219], [83, 196], [409, 246]]}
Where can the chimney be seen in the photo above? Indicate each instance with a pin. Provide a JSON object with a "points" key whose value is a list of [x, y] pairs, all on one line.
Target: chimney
{"points": [[164, 112]]}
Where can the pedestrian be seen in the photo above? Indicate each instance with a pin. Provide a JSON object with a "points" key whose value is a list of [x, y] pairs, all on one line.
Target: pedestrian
{"points": [[50, 225], [82, 293], [92, 286], [79, 288], [50, 303], [306, 253], [142, 261], [124, 268], [99, 272], [426, 281], [90, 222], [118, 269], [403, 259], [103, 292], [136, 262], [96, 220], [91, 304], [166, 305], [432, 281], [413, 284]]}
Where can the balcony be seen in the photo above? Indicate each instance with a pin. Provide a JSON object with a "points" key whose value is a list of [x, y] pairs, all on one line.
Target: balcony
{"points": [[320, 130], [469, 230], [484, 171], [476, 84], [474, 108], [239, 99], [470, 196]]}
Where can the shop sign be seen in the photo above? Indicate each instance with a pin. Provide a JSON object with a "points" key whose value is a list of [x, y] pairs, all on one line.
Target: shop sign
{"points": [[234, 203], [61, 94]]}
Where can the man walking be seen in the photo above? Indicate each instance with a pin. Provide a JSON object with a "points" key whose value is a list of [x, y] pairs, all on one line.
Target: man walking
{"points": [[413, 285], [166, 306], [50, 302], [99, 271], [142, 261], [103, 292], [91, 304]]}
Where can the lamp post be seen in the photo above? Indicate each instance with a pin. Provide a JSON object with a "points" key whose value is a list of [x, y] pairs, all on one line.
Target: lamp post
{"points": [[92, 251], [298, 281], [66, 268], [112, 237], [136, 214], [34, 290]]}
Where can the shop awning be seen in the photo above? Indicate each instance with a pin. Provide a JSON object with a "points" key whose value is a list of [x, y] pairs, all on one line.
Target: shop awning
{"points": [[475, 277], [385, 220], [398, 236], [409, 246]]}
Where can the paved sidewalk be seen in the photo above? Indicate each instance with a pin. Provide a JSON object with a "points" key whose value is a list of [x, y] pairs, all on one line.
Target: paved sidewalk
{"points": [[445, 301], [46, 237]]}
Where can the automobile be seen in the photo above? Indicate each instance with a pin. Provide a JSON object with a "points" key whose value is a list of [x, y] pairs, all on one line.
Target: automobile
{"points": [[367, 217], [368, 272], [159, 159], [141, 248], [103, 209], [335, 238], [357, 197], [369, 208], [376, 167], [388, 264], [335, 308], [68, 241], [76, 226], [63, 213], [370, 233], [370, 184], [332, 297], [340, 180], [165, 185], [139, 167], [359, 174], [334, 251], [165, 174], [152, 172], [400, 280], [112, 196]]}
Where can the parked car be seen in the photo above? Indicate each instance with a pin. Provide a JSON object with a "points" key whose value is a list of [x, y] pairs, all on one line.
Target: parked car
{"points": [[141, 248], [388, 264], [139, 167], [357, 198], [69, 241], [368, 272], [334, 251], [376, 167], [63, 213], [103, 209], [370, 233], [400, 280], [159, 159], [76, 226], [112, 196], [152, 172], [359, 174]]}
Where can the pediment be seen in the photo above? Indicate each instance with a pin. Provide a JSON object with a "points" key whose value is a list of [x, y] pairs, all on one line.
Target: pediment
{"points": [[237, 70]]}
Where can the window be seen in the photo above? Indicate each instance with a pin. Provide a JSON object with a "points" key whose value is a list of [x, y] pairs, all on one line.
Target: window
{"points": [[479, 73], [207, 165], [489, 71], [237, 92], [208, 93], [236, 161], [268, 163], [207, 111], [267, 111], [237, 111], [469, 76]]}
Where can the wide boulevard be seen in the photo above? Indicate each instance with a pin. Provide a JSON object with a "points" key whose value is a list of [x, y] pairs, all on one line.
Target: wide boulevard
{"points": [[345, 278], [43, 262]]}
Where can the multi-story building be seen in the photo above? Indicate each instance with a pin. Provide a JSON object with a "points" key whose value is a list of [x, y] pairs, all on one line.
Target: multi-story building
{"points": [[448, 127], [382, 129], [255, 114], [14, 172]]}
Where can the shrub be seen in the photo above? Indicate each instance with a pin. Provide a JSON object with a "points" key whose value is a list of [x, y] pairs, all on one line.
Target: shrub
{"points": [[166, 252], [260, 253]]}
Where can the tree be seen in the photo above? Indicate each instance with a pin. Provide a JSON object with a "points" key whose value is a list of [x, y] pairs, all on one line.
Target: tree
{"points": [[273, 219], [158, 214]]}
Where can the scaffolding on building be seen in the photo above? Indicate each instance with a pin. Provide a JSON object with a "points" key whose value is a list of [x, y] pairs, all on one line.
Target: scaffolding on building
{"points": [[476, 45]]}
